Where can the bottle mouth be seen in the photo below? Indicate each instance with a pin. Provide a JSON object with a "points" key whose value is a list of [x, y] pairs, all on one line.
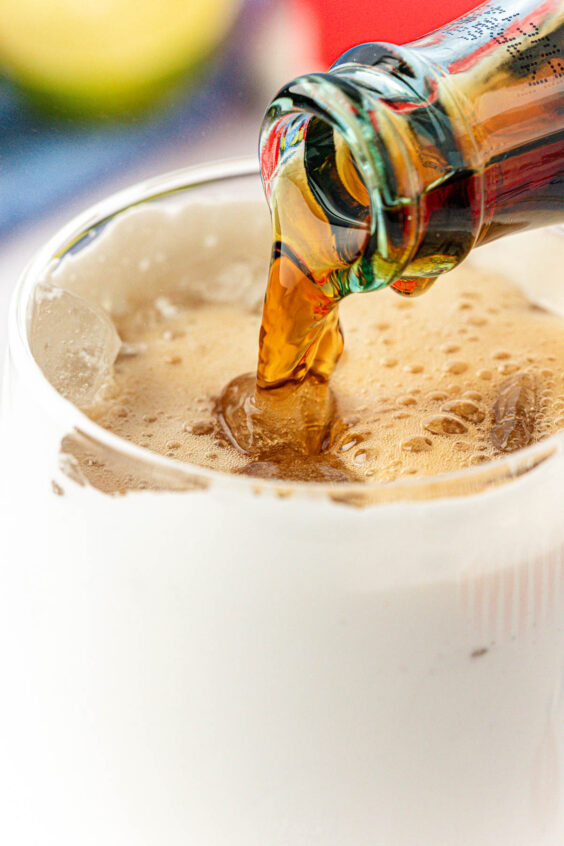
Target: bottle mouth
{"points": [[368, 130]]}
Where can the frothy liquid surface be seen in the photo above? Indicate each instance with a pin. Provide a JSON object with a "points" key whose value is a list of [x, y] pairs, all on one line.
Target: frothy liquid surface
{"points": [[460, 376]]}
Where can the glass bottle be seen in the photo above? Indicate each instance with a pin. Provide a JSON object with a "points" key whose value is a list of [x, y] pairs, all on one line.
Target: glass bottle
{"points": [[458, 139]]}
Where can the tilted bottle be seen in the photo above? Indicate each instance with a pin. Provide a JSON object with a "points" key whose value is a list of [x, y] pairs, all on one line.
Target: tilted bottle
{"points": [[458, 139]]}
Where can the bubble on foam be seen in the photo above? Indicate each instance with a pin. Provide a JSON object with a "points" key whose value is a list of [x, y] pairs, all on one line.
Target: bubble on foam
{"points": [[465, 408], [418, 443], [362, 456], [456, 367], [350, 441], [201, 427], [508, 367], [478, 458], [445, 424]]}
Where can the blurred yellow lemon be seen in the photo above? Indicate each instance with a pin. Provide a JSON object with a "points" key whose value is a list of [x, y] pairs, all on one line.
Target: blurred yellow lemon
{"points": [[107, 56]]}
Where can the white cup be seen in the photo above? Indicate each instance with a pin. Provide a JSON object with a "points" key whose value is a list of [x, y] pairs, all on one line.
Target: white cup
{"points": [[207, 662]]}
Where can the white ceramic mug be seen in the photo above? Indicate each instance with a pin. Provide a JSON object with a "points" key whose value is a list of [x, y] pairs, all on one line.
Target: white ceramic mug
{"points": [[203, 661]]}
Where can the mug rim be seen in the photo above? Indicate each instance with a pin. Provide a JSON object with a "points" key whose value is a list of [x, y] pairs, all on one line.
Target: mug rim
{"points": [[470, 480]]}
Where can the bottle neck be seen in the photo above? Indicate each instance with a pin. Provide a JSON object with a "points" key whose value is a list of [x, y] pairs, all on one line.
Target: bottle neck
{"points": [[402, 147], [458, 138]]}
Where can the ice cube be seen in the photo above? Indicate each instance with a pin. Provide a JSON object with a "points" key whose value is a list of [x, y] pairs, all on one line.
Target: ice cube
{"points": [[514, 413], [74, 342]]}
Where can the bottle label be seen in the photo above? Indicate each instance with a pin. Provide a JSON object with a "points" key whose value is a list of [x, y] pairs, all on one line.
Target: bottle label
{"points": [[530, 36], [482, 24]]}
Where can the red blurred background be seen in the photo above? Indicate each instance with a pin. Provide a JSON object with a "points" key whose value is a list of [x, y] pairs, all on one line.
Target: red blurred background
{"points": [[336, 26]]}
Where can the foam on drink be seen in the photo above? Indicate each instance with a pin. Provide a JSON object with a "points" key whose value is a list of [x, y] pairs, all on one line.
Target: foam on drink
{"points": [[458, 377]]}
